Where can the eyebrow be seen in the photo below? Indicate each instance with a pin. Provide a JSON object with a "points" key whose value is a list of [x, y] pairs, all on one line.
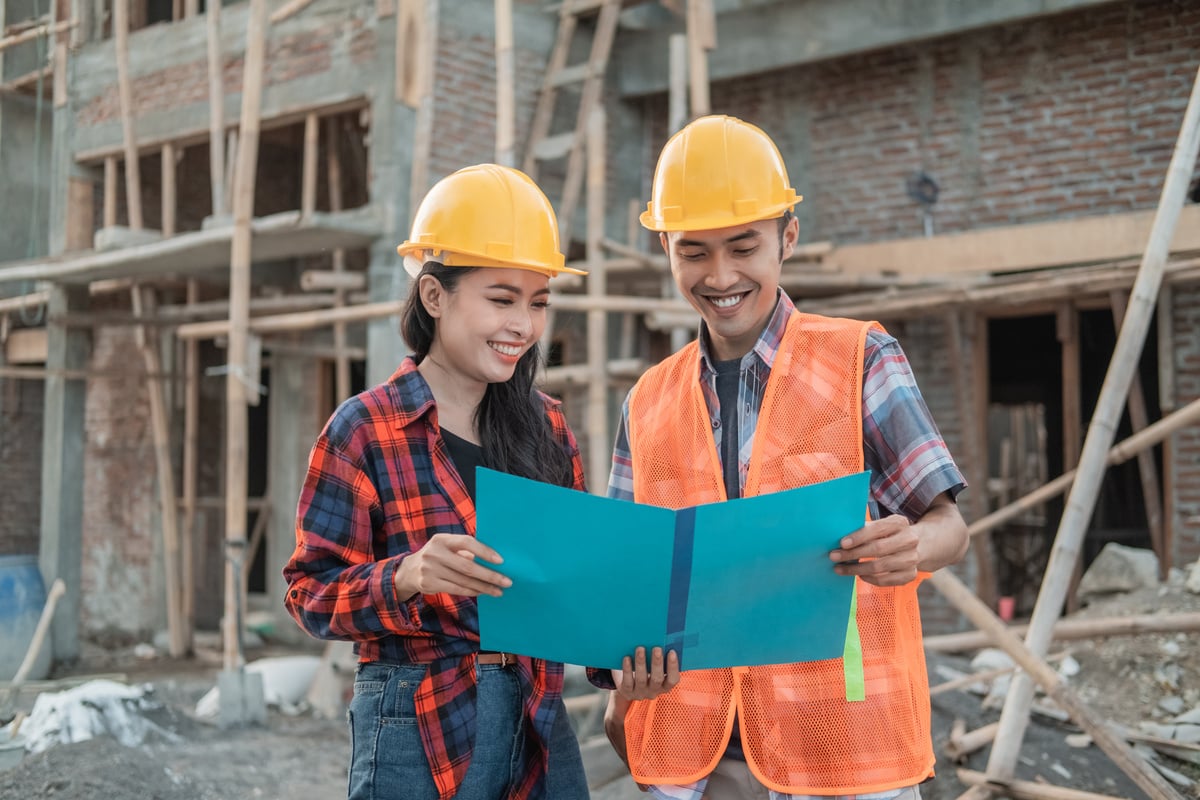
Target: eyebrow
{"points": [[508, 287], [747, 234]]}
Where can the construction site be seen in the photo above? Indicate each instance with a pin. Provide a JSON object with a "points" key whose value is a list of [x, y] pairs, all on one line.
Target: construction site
{"points": [[199, 212]]}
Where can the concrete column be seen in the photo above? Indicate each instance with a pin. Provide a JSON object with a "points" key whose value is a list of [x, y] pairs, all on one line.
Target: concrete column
{"points": [[62, 467], [394, 128], [294, 423]]}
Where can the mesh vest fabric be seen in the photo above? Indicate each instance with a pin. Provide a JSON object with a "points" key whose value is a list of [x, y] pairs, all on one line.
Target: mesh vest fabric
{"points": [[799, 733]]}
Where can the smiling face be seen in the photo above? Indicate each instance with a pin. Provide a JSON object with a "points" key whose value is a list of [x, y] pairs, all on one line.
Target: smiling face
{"points": [[730, 275], [491, 318]]}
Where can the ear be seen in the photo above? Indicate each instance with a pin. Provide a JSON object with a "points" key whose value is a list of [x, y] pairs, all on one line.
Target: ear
{"points": [[791, 235], [432, 294], [665, 242]]}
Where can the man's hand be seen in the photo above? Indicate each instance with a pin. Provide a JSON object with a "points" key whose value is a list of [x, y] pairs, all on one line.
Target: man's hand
{"points": [[447, 564], [883, 552], [637, 681], [890, 551], [614, 726]]}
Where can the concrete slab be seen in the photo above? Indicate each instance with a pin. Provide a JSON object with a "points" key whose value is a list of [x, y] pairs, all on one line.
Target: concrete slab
{"points": [[119, 237]]}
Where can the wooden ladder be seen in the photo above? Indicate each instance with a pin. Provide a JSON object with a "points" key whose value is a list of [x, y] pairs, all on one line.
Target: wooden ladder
{"points": [[589, 76]]}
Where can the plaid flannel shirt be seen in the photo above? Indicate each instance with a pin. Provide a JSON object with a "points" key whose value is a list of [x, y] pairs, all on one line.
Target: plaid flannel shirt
{"points": [[380, 483], [908, 459]]}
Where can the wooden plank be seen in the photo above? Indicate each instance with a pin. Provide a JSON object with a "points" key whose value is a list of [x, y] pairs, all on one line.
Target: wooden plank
{"points": [[1009, 248], [133, 180], [216, 110], [506, 123], [1081, 501], [26, 346], [1139, 420], [1028, 790], [325, 280]]}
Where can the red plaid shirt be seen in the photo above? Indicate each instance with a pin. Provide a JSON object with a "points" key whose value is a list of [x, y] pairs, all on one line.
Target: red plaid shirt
{"points": [[380, 483]]}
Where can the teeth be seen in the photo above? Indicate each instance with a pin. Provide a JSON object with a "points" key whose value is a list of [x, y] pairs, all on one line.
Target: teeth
{"points": [[506, 349], [726, 302]]}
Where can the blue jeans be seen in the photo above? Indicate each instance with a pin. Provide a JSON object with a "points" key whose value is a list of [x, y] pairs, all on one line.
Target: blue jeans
{"points": [[387, 759]]}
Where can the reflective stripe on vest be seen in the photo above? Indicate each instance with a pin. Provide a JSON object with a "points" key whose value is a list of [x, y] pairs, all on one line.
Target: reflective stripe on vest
{"points": [[799, 733]]}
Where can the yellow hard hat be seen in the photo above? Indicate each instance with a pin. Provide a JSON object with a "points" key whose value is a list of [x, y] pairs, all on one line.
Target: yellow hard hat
{"points": [[717, 172], [485, 216]]}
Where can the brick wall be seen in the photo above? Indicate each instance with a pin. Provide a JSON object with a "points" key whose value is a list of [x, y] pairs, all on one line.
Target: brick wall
{"points": [[288, 58], [464, 121], [1066, 116], [1186, 465], [21, 413]]}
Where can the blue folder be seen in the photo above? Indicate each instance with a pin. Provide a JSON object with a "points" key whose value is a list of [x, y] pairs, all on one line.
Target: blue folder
{"points": [[740, 583]]}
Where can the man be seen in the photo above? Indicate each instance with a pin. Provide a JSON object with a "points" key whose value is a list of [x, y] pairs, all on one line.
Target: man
{"points": [[768, 399]]}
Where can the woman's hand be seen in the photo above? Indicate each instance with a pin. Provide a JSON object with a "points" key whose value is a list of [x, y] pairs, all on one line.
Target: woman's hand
{"points": [[447, 564], [637, 681]]}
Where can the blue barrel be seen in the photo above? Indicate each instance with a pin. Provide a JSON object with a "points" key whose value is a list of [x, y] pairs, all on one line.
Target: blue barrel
{"points": [[22, 595]]}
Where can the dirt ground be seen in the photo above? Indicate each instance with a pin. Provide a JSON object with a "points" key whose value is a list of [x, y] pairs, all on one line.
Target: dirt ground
{"points": [[302, 756]]}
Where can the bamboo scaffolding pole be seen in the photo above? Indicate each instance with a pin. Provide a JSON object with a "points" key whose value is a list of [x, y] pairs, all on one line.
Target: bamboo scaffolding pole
{"points": [[308, 170], [341, 364], [1073, 629], [110, 191], [327, 280], [24, 301], [177, 644], [1028, 790], [288, 9], [306, 320], [506, 124], [216, 110], [168, 190], [46, 29], [237, 382], [1081, 500], [133, 179], [1139, 420], [599, 457], [1119, 454], [1138, 770], [1166, 404], [28, 79], [964, 743], [698, 90], [171, 316], [190, 477]]}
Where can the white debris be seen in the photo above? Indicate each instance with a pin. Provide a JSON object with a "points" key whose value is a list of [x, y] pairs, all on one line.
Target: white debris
{"points": [[1192, 582], [1170, 648], [285, 681], [95, 708], [1119, 569], [1068, 667]]}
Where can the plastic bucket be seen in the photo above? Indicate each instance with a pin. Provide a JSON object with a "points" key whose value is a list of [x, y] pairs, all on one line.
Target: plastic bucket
{"points": [[22, 595], [11, 751]]}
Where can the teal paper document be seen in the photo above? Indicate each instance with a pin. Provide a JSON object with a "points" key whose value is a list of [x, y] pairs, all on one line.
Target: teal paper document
{"points": [[740, 583]]}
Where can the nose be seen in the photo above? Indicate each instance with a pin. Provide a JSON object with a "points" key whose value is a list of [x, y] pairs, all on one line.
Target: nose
{"points": [[520, 322], [722, 273]]}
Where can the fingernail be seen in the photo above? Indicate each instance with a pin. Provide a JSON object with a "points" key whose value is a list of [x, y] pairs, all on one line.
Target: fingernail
{"points": [[847, 542]]}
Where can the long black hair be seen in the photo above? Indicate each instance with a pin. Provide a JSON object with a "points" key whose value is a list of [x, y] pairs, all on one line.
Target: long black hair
{"points": [[515, 433]]}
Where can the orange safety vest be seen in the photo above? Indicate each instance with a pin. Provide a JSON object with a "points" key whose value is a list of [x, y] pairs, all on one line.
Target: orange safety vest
{"points": [[799, 733]]}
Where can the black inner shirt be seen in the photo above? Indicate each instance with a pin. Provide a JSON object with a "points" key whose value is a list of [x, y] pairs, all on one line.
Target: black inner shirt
{"points": [[466, 457]]}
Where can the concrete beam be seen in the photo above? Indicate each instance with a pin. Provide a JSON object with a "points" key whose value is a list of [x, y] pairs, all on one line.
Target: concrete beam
{"points": [[766, 37]]}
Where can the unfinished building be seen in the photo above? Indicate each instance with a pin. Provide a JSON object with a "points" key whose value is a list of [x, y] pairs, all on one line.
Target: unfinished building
{"points": [[981, 178]]}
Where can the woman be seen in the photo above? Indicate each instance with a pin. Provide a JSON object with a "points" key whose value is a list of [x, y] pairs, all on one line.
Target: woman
{"points": [[386, 553]]}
